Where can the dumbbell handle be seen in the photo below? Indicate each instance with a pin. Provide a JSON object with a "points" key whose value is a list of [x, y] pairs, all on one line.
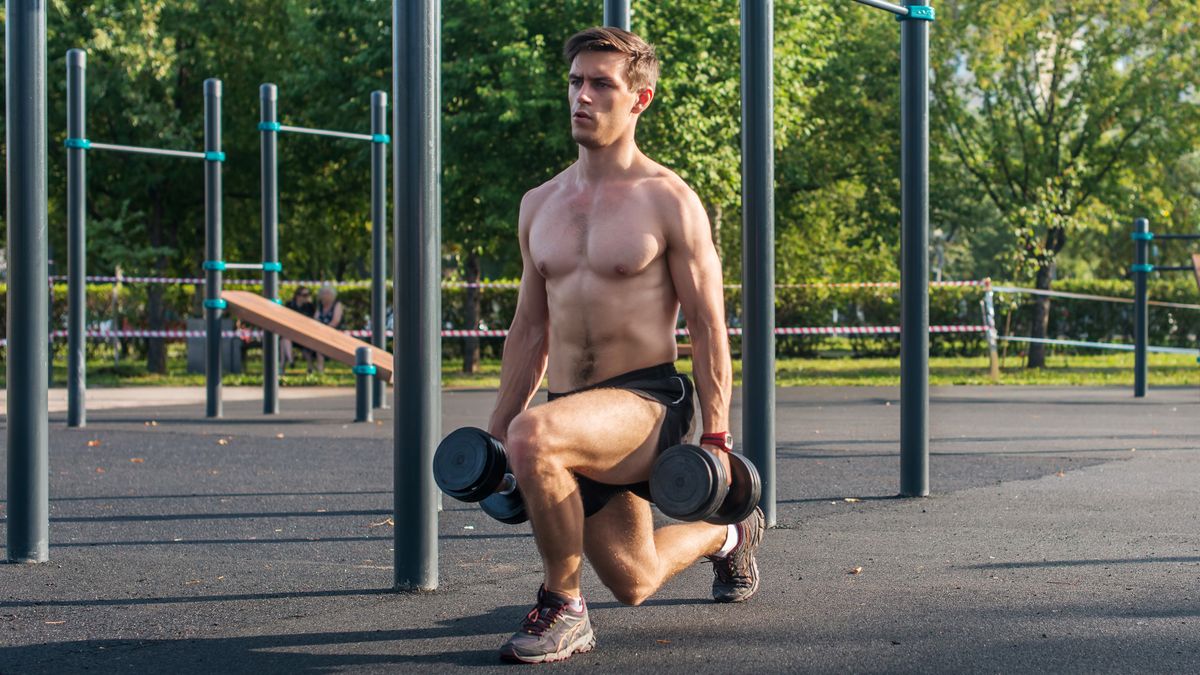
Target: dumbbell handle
{"points": [[508, 485]]}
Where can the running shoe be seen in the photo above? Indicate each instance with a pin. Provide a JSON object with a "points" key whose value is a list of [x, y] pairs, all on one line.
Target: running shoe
{"points": [[735, 576], [551, 631]]}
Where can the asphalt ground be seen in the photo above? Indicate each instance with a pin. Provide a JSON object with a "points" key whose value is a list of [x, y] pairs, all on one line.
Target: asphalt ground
{"points": [[1063, 535]]}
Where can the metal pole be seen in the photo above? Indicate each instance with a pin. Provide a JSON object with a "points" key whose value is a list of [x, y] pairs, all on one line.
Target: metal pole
{"points": [[616, 14], [76, 240], [28, 519], [213, 304], [758, 248], [1141, 309], [416, 186], [268, 95], [379, 235], [989, 320], [364, 378], [914, 253]]}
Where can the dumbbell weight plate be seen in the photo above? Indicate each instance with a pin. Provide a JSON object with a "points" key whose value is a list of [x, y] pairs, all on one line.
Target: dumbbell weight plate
{"points": [[506, 508], [687, 483], [743, 494], [469, 464]]}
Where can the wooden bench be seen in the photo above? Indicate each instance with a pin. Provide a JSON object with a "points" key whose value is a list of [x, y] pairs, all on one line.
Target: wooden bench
{"points": [[304, 331]]}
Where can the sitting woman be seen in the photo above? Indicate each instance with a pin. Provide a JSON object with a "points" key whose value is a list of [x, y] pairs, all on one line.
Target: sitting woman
{"points": [[328, 312]]}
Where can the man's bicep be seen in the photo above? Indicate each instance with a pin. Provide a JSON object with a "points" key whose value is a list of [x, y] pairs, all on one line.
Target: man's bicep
{"points": [[532, 305]]}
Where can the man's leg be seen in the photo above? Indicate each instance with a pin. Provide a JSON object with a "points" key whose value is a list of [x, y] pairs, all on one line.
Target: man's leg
{"points": [[632, 558], [608, 435]]}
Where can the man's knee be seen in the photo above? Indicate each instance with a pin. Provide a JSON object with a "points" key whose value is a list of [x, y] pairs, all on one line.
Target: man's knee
{"points": [[632, 593], [530, 446]]}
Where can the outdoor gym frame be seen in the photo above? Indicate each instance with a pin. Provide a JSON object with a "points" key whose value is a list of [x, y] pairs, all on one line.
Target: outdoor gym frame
{"points": [[1141, 270], [78, 145], [416, 217], [416, 85]]}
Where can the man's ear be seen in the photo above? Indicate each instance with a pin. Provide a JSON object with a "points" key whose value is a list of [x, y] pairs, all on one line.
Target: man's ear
{"points": [[645, 96]]}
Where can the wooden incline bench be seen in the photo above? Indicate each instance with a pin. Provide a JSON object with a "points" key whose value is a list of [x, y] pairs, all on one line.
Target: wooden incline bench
{"points": [[333, 343]]}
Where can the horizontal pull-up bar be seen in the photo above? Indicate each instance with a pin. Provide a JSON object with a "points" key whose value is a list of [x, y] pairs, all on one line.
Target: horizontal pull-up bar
{"points": [[1149, 236], [275, 126], [1161, 268], [914, 12], [85, 144]]}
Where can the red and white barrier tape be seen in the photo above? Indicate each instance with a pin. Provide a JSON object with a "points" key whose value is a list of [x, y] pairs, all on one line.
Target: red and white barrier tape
{"points": [[984, 283]]}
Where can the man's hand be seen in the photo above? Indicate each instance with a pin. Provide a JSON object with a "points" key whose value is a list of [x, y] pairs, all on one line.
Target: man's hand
{"points": [[723, 457]]}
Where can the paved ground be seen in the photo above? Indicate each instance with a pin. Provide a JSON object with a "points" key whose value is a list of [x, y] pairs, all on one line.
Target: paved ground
{"points": [[1064, 536], [136, 397]]}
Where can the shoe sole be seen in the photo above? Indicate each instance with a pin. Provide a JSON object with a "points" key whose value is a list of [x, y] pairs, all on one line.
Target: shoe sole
{"points": [[551, 658]]}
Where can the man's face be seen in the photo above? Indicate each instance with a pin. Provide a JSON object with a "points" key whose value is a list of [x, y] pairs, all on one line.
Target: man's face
{"points": [[602, 105]]}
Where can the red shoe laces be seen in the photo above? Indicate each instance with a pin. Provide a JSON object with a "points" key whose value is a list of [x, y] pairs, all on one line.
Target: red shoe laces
{"points": [[541, 617]]}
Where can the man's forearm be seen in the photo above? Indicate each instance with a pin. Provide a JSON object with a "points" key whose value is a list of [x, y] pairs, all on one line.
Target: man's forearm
{"points": [[521, 369], [713, 372]]}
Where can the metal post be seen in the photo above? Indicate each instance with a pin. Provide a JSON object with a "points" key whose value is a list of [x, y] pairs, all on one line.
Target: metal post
{"points": [[914, 257], [758, 247], [27, 521], [989, 320], [616, 14], [379, 235], [268, 95], [76, 240], [416, 186], [1141, 308], [364, 378], [213, 304]]}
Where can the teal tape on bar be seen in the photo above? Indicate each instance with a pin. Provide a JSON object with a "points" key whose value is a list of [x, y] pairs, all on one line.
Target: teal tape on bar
{"points": [[918, 13], [1141, 268], [214, 265], [78, 143], [215, 304], [272, 267], [381, 138], [269, 126], [364, 370], [1143, 236], [214, 156], [277, 301]]}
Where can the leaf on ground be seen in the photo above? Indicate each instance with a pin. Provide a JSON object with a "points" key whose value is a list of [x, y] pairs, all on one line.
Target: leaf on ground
{"points": [[222, 441], [93, 443], [151, 423], [856, 570], [100, 469], [1060, 473], [193, 582], [386, 521], [278, 435], [852, 500], [663, 642], [137, 460], [55, 623]]}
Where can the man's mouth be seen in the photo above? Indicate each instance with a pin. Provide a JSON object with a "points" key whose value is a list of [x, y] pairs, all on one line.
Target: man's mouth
{"points": [[580, 115]]}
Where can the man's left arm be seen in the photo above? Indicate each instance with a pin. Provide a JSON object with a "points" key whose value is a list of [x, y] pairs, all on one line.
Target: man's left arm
{"points": [[696, 273]]}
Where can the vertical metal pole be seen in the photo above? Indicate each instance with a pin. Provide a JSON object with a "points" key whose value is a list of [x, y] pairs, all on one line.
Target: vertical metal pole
{"points": [[416, 186], [212, 248], [268, 95], [364, 378], [379, 236], [28, 521], [616, 14], [1141, 308], [76, 240], [914, 257], [758, 247]]}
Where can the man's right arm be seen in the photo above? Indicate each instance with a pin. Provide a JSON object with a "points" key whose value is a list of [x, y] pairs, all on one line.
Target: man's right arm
{"points": [[527, 346]]}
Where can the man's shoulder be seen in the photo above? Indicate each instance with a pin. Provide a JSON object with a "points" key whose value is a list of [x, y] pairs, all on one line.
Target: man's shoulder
{"points": [[671, 194], [538, 195]]}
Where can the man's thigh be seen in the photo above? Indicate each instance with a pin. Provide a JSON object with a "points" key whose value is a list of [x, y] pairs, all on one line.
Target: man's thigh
{"points": [[608, 435]]}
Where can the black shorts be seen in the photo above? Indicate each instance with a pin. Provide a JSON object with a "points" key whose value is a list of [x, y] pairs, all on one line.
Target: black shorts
{"points": [[660, 383]]}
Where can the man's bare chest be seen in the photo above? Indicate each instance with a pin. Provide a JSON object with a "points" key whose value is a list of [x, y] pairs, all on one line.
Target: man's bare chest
{"points": [[614, 242]]}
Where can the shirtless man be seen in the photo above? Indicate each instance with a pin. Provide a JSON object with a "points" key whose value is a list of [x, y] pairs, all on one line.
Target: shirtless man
{"points": [[612, 247]]}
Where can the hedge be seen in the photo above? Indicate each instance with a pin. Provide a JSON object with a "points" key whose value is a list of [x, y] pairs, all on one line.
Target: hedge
{"points": [[809, 306]]}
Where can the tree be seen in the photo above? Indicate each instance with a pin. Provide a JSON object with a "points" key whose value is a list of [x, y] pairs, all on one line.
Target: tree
{"points": [[1045, 106]]}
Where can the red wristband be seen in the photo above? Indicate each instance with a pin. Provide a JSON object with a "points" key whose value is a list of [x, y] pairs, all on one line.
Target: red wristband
{"points": [[721, 439]]}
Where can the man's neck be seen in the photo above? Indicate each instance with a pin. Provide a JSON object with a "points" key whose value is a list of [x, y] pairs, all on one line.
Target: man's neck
{"points": [[600, 164]]}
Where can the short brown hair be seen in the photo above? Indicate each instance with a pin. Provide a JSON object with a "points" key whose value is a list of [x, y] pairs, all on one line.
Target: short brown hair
{"points": [[641, 63]]}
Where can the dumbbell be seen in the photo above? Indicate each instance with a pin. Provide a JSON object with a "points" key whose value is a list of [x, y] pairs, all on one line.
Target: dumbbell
{"points": [[470, 466], [689, 483]]}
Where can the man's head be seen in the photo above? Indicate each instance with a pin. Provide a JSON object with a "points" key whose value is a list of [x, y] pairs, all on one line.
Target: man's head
{"points": [[612, 79]]}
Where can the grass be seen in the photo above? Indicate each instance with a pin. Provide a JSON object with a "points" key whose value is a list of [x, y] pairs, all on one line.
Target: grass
{"points": [[1114, 369]]}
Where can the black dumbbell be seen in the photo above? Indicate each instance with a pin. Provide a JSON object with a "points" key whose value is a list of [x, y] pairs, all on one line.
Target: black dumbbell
{"points": [[689, 483], [470, 466]]}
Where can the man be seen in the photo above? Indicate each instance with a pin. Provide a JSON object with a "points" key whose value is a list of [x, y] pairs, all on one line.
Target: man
{"points": [[612, 247]]}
